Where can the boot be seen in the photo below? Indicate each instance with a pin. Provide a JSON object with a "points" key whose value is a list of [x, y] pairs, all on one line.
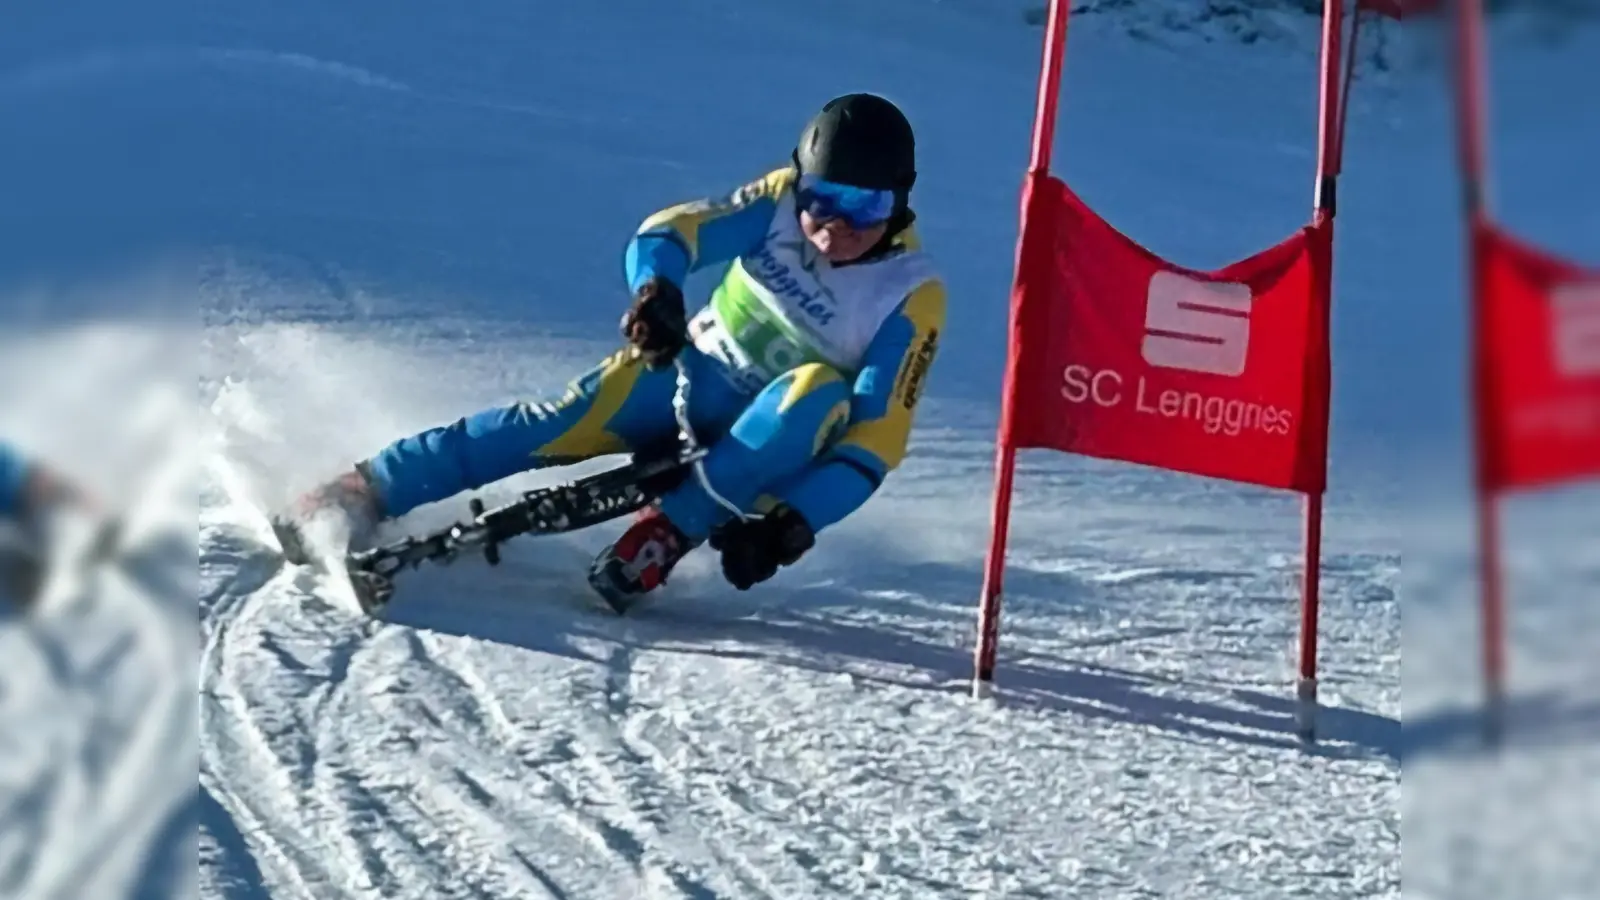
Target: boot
{"points": [[639, 561]]}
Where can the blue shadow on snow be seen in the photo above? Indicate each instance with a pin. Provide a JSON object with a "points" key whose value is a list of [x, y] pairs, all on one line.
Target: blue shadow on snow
{"points": [[1546, 719], [537, 602]]}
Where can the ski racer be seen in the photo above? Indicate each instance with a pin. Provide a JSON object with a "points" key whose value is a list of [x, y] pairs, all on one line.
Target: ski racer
{"points": [[806, 366], [39, 508]]}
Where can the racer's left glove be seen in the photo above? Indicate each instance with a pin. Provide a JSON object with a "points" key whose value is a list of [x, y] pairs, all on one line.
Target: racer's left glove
{"points": [[753, 549]]}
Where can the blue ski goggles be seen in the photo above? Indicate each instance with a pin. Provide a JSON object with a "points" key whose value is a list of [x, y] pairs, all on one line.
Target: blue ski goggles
{"points": [[861, 207]]}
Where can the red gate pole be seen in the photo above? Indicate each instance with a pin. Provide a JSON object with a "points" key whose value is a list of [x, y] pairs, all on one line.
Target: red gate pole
{"points": [[1470, 139], [1044, 129], [1331, 121]]}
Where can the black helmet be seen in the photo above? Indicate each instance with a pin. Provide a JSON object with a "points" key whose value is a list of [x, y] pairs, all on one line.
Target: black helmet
{"points": [[861, 140]]}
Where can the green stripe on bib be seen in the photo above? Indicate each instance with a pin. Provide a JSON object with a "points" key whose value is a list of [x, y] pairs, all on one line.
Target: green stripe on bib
{"points": [[771, 343]]}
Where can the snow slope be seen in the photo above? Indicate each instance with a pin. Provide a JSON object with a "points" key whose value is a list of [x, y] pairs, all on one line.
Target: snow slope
{"points": [[401, 212], [1514, 822], [98, 737]]}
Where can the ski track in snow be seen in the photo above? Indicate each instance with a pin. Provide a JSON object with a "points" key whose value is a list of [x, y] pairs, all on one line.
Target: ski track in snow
{"points": [[57, 76]]}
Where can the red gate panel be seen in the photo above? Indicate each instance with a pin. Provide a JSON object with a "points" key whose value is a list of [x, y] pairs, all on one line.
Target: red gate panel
{"points": [[1538, 351], [1122, 355]]}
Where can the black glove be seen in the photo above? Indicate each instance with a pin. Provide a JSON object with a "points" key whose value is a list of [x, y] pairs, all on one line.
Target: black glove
{"points": [[753, 549], [655, 323]]}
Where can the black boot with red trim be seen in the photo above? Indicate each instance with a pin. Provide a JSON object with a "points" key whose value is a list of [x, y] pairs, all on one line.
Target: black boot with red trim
{"points": [[639, 561]]}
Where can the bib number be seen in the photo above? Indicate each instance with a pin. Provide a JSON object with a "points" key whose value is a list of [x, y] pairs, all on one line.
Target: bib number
{"points": [[769, 348]]}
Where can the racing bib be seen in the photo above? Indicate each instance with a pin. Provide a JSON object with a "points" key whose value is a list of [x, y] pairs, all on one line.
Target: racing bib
{"points": [[783, 305]]}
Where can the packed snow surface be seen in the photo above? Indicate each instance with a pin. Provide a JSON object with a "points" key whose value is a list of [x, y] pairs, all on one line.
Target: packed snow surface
{"points": [[401, 213]]}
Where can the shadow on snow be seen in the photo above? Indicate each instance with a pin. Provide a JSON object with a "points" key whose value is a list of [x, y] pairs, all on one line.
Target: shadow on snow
{"points": [[1534, 721], [543, 607]]}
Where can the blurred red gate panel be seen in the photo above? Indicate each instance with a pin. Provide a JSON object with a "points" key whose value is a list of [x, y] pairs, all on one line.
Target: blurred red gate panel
{"points": [[1537, 335]]}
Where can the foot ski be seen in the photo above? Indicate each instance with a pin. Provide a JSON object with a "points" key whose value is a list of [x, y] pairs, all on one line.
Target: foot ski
{"points": [[371, 591]]}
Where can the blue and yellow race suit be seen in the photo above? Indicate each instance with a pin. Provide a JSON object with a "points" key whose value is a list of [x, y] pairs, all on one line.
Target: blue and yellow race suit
{"points": [[13, 474], [804, 375]]}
